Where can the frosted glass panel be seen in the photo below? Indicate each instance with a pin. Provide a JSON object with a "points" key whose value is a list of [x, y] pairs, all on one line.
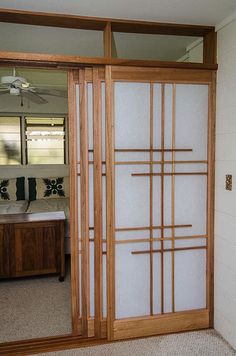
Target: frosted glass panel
{"points": [[191, 120], [168, 116], [91, 200], [191, 204], [132, 106], [157, 117], [103, 105], [157, 201], [104, 281], [167, 282], [132, 281], [190, 280], [91, 266], [77, 92], [90, 114], [156, 281], [131, 197]]}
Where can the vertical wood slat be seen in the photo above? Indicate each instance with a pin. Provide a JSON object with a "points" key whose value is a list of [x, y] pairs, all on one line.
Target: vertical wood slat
{"points": [[74, 235], [97, 177], [173, 196], [84, 194], [210, 198], [107, 40], [110, 206], [151, 198], [162, 190], [210, 48]]}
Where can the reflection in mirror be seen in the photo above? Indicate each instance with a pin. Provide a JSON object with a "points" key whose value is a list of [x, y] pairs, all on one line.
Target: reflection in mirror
{"points": [[35, 292]]}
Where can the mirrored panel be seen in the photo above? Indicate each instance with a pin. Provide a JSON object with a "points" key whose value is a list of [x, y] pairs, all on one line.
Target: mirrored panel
{"points": [[35, 283]]}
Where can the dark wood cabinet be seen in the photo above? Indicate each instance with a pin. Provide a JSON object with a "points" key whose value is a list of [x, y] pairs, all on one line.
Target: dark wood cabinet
{"points": [[32, 244]]}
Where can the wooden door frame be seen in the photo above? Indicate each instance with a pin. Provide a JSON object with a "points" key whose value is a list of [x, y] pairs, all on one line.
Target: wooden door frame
{"points": [[26, 347]]}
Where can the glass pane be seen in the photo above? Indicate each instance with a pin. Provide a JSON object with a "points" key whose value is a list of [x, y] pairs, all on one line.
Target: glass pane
{"points": [[45, 139], [190, 280], [157, 47], [191, 121], [131, 199], [55, 40], [132, 281], [10, 143], [132, 107]]}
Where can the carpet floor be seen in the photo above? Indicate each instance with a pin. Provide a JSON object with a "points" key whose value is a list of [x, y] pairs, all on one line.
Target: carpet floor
{"points": [[40, 306], [198, 343], [34, 307]]}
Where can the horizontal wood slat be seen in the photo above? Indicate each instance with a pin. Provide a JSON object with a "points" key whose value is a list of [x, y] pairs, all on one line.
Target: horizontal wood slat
{"points": [[151, 227], [170, 174], [169, 249], [66, 61], [162, 324]]}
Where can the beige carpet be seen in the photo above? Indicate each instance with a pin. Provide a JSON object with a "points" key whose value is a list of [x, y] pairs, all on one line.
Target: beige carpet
{"points": [[34, 307], [198, 343]]}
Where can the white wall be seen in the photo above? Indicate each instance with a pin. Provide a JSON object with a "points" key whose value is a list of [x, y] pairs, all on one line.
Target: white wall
{"points": [[225, 204]]}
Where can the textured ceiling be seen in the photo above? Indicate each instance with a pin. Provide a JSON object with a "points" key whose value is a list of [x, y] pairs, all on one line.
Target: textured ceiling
{"points": [[208, 12]]}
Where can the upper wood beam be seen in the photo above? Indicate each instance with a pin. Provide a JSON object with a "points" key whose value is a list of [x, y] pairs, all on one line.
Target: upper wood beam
{"points": [[95, 23], [57, 60]]}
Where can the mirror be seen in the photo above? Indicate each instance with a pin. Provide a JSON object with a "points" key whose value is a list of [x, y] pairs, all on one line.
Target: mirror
{"points": [[35, 291]]}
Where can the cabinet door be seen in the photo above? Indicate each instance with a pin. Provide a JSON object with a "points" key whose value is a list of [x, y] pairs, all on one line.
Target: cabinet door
{"points": [[37, 249], [4, 251]]}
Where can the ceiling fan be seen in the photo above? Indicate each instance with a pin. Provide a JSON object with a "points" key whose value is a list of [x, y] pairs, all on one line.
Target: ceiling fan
{"points": [[19, 86]]}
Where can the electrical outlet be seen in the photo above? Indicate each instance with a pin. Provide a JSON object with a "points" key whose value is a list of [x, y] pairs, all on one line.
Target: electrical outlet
{"points": [[228, 182]]}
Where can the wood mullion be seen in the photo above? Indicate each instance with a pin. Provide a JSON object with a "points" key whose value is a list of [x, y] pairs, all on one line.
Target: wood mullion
{"points": [[147, 239], [173, 196], [161, 251], [151, 197], [154, 150], [97, 180], [210, 199], [110, 205], [148, 150], [143, 228], [107, 41], [74, 229], [157, 162], [170, 174], [162, 190], [84, 193]]}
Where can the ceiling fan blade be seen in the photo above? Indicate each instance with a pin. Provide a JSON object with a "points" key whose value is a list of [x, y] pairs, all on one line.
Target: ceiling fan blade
{"points": [[4, 91], [51, 92], [35, 98]]}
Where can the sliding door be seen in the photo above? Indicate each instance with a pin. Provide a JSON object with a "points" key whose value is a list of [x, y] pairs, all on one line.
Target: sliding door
{"points": [[141, 217], [159, 173], [87, 134]]}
